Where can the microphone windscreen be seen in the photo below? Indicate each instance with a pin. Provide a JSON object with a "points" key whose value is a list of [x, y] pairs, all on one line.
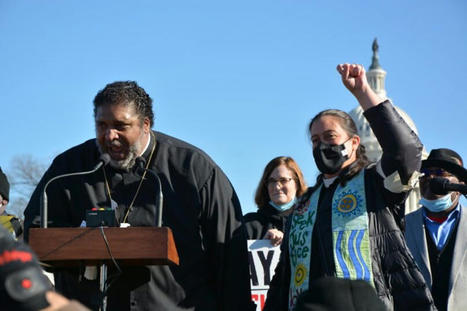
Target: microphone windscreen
{"points": [[105, 158], [438, 185], [140, 162]]}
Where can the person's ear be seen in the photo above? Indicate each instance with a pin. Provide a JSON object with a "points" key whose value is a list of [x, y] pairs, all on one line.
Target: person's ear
{"points": [[355, 142], [146, 125], [455, 197], [3, 207]]}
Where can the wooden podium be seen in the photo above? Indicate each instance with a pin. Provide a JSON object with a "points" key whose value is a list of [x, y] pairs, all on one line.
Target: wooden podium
{"points": [[62, 247], [97, 246]]}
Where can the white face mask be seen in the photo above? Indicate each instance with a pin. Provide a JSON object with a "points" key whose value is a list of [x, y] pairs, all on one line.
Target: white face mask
{"points": [[438, 205]]}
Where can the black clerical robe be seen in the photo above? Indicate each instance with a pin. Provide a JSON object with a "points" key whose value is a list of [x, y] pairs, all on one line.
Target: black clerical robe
{"points": [[200, 206]]}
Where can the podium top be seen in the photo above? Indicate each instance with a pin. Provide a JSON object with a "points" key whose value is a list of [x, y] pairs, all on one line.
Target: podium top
{"points": [[60, 247]]}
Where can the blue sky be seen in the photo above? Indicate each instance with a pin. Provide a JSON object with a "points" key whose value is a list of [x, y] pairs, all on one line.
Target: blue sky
{"points": [[239, 79]]}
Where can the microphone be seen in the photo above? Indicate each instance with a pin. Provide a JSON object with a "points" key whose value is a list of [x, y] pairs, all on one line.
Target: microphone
{"points": [[104, 159], [140, 164], [439, 185]]}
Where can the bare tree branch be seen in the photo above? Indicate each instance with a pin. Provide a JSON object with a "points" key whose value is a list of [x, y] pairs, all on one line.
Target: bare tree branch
{"points": [[24, 174]]}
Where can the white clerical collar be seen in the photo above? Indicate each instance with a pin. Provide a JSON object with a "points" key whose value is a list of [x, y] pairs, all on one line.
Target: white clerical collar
{"points": [[328, 181], [147, 145]]}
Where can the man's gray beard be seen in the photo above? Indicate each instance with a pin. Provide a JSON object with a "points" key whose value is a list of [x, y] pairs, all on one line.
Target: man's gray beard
{"points": [[127, 163]]}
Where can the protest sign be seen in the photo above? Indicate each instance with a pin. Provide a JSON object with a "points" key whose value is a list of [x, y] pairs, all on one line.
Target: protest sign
{"points": [[263, 259]]}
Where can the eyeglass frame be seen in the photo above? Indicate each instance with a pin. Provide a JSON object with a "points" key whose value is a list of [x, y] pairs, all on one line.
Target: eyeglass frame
{"points": [[282, 180]]}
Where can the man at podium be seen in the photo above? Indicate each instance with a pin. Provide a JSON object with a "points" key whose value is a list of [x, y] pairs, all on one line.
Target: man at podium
{"points": [[199, 205]]}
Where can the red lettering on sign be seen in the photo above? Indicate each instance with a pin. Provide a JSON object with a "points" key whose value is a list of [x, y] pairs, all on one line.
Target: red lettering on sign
{"points": [[259, 299]]}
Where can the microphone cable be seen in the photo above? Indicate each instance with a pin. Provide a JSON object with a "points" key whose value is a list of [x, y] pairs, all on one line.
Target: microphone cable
{"points": [[113, 278], [107, 245]]}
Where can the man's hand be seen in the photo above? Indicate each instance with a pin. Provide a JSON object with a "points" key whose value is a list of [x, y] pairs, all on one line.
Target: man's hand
{"points": [[354, 78], [58, 303], [275, 236]]}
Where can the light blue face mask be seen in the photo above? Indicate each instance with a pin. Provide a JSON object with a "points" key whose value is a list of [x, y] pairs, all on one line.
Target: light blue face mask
{"points": [[283, 207], [438, 205]]}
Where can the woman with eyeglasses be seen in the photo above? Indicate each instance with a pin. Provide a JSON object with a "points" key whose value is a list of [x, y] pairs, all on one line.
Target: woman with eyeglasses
{"points": [[350, 223], [282, 182]]}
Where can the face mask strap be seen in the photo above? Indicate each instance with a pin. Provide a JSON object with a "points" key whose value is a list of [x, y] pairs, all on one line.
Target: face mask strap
{"points": [[345, 152]]}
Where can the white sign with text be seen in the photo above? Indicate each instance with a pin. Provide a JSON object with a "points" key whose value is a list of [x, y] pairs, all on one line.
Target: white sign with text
{"points": [[263, 259]]}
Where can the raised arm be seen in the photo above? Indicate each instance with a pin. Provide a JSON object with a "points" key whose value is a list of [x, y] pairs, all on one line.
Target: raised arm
{"points": [[401, 147]]}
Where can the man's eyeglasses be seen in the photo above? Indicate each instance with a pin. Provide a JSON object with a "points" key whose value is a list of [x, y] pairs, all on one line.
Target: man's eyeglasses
{"points": [[435, 172], [283, 181]]}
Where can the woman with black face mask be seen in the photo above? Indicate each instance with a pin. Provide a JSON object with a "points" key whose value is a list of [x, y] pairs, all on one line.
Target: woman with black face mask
{"points": [[349, 224]]}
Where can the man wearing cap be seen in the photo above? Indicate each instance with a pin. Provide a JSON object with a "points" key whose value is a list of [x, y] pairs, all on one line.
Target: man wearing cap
{"points": [[9, 222], [437, 232]]}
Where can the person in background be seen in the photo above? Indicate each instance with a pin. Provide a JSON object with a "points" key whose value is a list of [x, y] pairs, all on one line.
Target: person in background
{"points": [[349, 225], [437, 232], [282, 182], [9, 222]]}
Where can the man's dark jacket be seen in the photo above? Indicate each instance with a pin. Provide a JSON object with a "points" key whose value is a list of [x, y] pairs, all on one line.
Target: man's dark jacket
{"points": [[200, 206]]}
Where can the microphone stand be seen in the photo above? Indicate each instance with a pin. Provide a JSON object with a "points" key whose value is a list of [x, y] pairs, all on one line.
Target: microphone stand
{"points": [[160, 199], [102, 281], [103, 160]]}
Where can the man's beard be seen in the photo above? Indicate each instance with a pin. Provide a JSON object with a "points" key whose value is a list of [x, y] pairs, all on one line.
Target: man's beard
{"points": [[129, 161]]}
